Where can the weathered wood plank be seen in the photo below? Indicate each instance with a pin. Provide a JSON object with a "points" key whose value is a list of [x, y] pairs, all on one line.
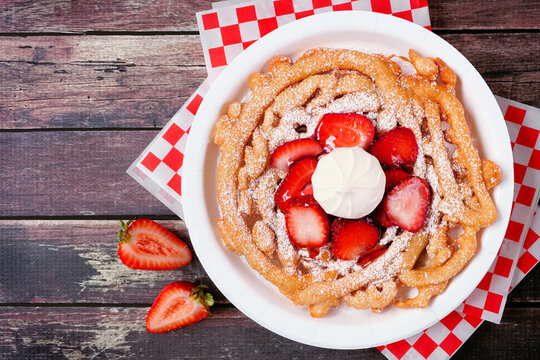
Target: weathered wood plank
{"points": [[100, 15], [106, 333], [170, 15], [527, 290], [513, 337], [93, 81], [98, 95], [141, 81], [75, 261], [61, 173], [484, 15], [489, 52], [126, 50], [73, 173]]}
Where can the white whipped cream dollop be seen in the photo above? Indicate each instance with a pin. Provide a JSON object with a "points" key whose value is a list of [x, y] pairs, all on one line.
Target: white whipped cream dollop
{"points": [[348, 182]]}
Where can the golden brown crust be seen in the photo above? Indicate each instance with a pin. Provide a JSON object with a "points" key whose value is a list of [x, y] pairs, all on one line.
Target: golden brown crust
{"points": [[421, 102]]}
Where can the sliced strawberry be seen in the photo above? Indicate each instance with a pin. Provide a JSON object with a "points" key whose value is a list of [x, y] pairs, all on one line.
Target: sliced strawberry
{"points": [[307, 223], [298, 177], [381, 218], [393, 176], [353, 238], [344, 130], [313, 253], [144, 244], [286, 154], [337, 225], [407, 203], [396, 147], [179, 304], [307, 190], [372, 255]]}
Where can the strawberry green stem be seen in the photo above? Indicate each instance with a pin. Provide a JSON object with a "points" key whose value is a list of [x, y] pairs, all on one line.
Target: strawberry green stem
{"points": [[123, 234], [204, 298]]}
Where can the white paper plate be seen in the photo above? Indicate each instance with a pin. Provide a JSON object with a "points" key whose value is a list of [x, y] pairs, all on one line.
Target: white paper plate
{"points": [[343, 328]]}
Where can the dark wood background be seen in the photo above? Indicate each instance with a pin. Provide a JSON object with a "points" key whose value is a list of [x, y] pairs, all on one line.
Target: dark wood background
{"points": [[84, 87]]}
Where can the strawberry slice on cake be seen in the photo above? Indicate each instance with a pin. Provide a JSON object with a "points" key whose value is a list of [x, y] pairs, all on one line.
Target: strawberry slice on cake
{"points": [[353, 238], [406, 205], [297, 179], [396, 147], [344, 130], [286, 154], [307, 223]]}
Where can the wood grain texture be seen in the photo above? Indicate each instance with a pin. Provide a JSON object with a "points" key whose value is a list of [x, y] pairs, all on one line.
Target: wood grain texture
{"points": [[73, 173], [141, 81], [484, 14], [93, 82], [75, 261], [75, 111], [111, 333], [100, 15], [63, 261], [169, 15]]}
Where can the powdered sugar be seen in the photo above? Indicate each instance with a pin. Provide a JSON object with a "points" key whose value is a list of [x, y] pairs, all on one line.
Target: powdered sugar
{"points": [[389, 235], [386, 266], [282, 121]]}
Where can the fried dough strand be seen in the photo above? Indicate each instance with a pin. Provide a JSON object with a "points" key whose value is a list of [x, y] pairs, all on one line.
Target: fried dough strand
{"points": [[282, 107]]}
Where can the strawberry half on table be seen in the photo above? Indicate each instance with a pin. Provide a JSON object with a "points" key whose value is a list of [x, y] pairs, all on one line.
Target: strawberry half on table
{"points": [[179, 304], [146, 245]]}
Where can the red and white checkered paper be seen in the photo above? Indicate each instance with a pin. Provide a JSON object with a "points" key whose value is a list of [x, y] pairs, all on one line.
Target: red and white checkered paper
{"points": [[523, 122], [230, 29], [443, 339], [227, 31]]}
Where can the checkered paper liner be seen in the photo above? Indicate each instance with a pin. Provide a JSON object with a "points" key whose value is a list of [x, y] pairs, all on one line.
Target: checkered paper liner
{"points": [[227, 30], [443, 339], [488, 299], [159, 169]]}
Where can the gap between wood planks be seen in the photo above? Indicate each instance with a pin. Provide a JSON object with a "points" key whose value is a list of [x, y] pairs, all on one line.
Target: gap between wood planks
{"points": [[158, 33], [88, 129], [217, 305], [91, 217], [101, 33]]}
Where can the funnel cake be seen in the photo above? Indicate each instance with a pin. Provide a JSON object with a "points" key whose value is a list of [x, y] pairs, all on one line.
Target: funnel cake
{"points": [[286, 105]]}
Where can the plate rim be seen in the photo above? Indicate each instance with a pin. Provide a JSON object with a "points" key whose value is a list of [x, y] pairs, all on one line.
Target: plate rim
{"points": [[190, 170]]}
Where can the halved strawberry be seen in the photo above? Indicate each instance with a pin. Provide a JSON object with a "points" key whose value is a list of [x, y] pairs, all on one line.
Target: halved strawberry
{"points": [[337, 225], [344, 130], [307, 190], [372, 254], [307, 223], [353, 238], [396, 147], [380, 216], [286, 154], [298, 177], [407, 203], [393, 176], [144, 244], [179, 304]]}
